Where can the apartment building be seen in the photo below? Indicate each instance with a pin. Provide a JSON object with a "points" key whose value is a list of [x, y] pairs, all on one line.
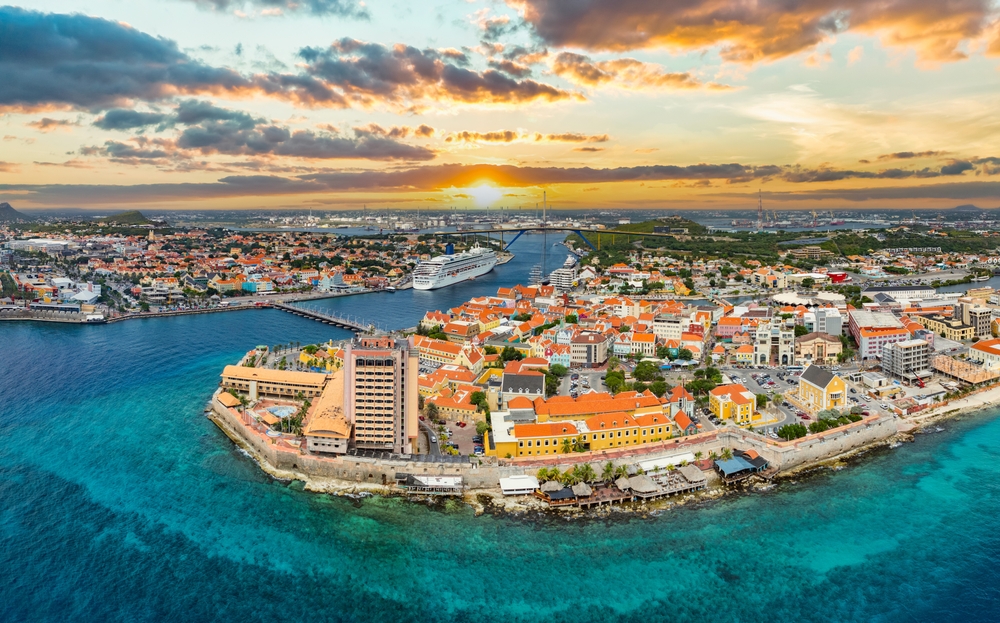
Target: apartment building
{"points": [[381, 393], [824, 320], [774, 344], [909, 360], [588, 349], [873, 330], [670, 326], [978, 317]]}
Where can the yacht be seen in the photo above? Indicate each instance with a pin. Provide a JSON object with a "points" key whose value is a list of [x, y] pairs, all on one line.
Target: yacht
{"points": [[446, 270]]}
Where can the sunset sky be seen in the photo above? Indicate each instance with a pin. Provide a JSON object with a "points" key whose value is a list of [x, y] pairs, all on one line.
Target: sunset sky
{"points": [[821, 104]]}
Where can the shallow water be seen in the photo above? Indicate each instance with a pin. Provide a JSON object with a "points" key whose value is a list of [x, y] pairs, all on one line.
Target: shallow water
{"points": [[119, 501]]}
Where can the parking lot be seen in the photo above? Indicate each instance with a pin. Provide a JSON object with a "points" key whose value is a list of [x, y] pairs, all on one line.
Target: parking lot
{"points": [[464, 438]]}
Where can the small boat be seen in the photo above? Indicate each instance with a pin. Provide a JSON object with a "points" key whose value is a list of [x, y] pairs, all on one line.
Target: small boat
{"points": [[390, 288]]}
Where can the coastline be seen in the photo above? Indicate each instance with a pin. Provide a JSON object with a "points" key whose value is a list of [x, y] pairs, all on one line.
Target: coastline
{"points": [[490, 499]]}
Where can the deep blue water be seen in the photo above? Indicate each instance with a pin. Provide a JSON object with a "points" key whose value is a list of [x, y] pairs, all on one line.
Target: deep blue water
{"points": [[119, 501]]}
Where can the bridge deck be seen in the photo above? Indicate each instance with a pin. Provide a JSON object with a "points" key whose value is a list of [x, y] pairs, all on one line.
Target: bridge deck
{"points": [[336, 321]]}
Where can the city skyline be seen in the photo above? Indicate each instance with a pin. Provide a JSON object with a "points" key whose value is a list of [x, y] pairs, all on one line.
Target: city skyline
{"points": [[827, 104]]}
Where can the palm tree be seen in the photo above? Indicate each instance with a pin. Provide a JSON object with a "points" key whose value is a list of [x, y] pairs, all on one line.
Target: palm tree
{"points": [[698, 455], [608, 473], [713, 455], [621, 471], [567, 445], [587, 473], [554, 473], [727, 454], [543, 474]]}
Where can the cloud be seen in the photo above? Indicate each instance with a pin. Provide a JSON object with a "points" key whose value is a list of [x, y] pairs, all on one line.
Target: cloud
{"points": [[510, 136], [589, 149], [85, 62], [45, 124], [209, 130], [429, 178], [906, 155], [757, 31], [624, 72], [855, 55], [511, 68], [647, 150], [365, 74], [7, 167], [959, 190], [125, 119], [336, 8], [75, 61], [957, 167]]}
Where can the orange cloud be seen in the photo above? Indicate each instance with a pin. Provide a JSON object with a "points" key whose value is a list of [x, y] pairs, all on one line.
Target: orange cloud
{"points": [[625, 72], [510, 136], [758, 31], [45, 124]]}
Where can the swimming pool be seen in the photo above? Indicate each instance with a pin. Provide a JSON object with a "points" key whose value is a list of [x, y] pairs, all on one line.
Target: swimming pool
{"points": [[282, 411]]}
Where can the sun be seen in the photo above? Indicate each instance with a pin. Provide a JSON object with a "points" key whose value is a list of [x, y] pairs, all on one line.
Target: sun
{"points": [[484, 195]]}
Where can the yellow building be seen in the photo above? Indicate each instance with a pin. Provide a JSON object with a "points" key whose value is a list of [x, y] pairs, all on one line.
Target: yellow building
{"points": [[743, 354], [820, 389], [600, 432], [734, 402], [949, 328], [257, 382]]}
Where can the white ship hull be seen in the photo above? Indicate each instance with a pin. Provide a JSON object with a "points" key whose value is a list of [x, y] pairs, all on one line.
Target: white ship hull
{"points": [[449, 277]]}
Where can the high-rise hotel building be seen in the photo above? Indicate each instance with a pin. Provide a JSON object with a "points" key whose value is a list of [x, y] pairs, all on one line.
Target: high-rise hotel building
{"points": [[380, 393]]}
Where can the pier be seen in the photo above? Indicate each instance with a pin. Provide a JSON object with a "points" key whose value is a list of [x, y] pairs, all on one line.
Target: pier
{"points": [[331, 319]]}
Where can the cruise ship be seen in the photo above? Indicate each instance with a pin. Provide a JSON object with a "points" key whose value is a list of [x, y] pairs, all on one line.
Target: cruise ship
{"points": [[446, 270]]}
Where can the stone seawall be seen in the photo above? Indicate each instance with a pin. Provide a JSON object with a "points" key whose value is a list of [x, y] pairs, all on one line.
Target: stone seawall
{"points": [[814, 448], [347, 470]]}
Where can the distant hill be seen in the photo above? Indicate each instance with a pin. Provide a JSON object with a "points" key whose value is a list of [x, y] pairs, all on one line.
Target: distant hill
{"points": [[10, 215], [132, 217]]}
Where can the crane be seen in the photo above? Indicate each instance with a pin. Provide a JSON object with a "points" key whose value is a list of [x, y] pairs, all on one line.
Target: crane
{"points": [[814, 218]]}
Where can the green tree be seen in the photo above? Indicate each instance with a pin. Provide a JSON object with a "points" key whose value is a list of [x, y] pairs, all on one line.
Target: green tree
{"points": [[608, 473], [572, 319], [482, 427], [432, 412], [551, 385], [509, 353], [761, 401], [567, 445], [646, 371], [558, 370], [658, 387], [727, 454], [800, 330], [662, 352], [613, 363], [685, 354], [808, 282]]}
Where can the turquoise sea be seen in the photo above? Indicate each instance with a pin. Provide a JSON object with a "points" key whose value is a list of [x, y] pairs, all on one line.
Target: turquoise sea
{"points": [[119, 501]]}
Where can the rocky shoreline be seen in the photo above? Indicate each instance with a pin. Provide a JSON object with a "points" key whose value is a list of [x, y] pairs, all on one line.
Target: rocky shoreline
{"points": [[490, 501]]}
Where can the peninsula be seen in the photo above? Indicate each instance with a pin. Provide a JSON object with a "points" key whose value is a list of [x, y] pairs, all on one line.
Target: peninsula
{"points": [[627, 381]]}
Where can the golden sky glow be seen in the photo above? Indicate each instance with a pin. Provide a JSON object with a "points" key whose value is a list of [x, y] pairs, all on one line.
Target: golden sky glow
{"points": [[626, 103]]}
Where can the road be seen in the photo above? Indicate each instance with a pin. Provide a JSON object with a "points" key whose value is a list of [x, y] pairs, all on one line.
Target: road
{"points": [[433, 447]]}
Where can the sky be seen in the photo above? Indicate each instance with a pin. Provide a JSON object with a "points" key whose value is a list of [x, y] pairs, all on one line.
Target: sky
{"points": [[336, 104]]}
